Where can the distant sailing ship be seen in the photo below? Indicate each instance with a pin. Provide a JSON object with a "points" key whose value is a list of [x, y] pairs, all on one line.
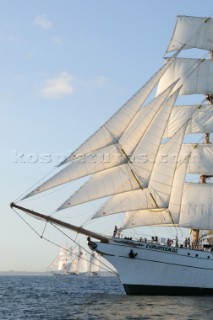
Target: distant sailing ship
{"points": [[79, 261], [94, 264], [62, 263], [75, 261], [144, 159]]}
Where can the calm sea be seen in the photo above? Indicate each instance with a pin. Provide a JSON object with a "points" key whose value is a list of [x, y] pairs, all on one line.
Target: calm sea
{"points": [[90, 298]]}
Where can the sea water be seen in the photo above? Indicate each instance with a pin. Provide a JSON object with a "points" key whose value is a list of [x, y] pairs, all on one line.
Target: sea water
{"points": [[90, 298]]}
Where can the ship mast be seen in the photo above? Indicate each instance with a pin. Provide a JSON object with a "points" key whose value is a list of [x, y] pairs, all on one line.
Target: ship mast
{"points": [[209, 97]]}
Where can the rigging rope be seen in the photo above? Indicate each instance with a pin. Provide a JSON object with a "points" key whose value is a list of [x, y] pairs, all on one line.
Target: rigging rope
{"points": [[83, 248], [108, 269]]}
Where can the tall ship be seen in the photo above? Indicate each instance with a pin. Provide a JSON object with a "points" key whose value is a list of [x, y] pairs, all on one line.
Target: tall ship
{"points": [[75, 261], [152, 161], [62, 263], [83, 263], [79, 263]]}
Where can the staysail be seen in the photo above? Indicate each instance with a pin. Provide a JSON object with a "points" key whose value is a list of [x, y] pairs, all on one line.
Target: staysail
{"points": [[159, 189], [128, 177], [110, 156], [112, 130]]}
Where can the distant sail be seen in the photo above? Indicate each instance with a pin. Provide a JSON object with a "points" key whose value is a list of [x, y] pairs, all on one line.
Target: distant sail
{"points": [[94, 264]]}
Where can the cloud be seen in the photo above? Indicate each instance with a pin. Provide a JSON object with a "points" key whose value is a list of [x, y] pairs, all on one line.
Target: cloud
{"points": [[57, 40], [10, 38], [96, 82], [101, 81], [42, 22], [59, 86]]}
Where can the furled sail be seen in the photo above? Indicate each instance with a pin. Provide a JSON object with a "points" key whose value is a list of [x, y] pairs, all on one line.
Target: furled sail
{"points": [[112, 130], [195, 76], [192, 32], [201, 119]]}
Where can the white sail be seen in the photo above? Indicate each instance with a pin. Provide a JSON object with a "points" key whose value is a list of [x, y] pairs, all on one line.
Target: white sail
{"points": [[192, 32], [112, 130], [144, 156], [142, 159], [127, 201], [104, 159], [159, 190], [162, 177], [190, 207], [195, 76], [162, 216], [154, 217], [141, 122], [201, 157], [94, 263], [196, 208], [123, 178], [178, 185], [201, 119], [82, 261], [62, 262], [74, 263], [102, 184]]}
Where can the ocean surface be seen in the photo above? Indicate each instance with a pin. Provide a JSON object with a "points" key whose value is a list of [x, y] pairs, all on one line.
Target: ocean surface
{"points": [[90, 298]]}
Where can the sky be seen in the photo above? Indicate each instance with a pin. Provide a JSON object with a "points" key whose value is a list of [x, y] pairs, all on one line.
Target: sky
{"points": [[66, 67]]}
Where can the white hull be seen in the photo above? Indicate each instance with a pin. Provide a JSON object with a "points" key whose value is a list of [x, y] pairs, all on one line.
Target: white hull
{"points": [[159, 269]]}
